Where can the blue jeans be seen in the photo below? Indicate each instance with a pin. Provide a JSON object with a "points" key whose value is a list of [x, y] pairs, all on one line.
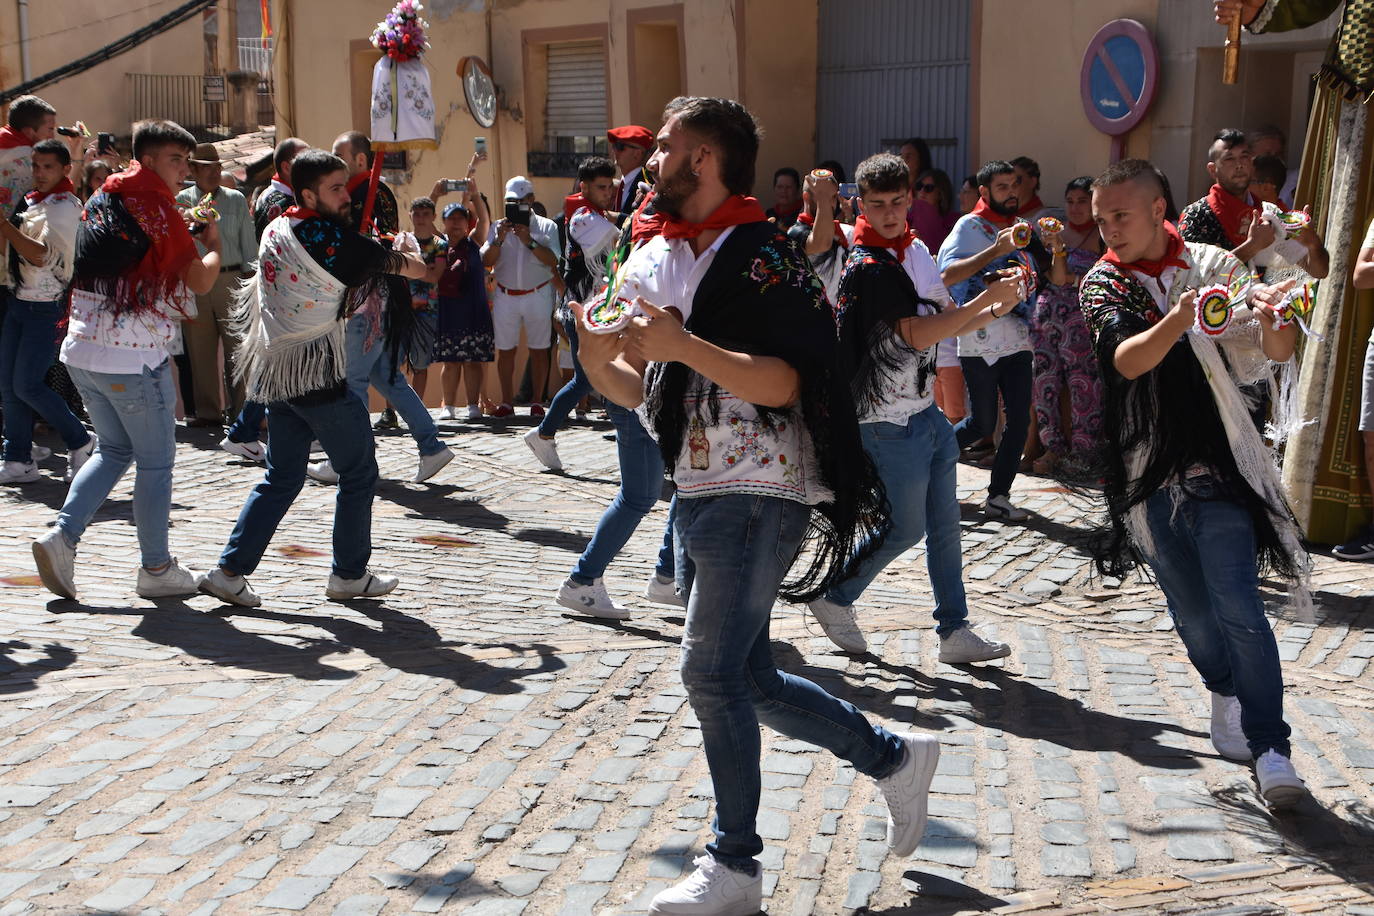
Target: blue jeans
{"points": [[248, 423], [918, 462], [568, 396], [1012, 377], [740, 547], [135, 423], [28, 344], [372, 365], [641, 482], [1204, 558], [341, 424]]}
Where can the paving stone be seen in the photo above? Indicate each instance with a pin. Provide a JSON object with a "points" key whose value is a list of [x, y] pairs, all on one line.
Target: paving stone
{"points": [[295, 893], [400, 802], [360, 905], [1064, 834], [1067, 861], [332, 861], [200, 835], [414, 855], [121, 895], [1199, 847]]}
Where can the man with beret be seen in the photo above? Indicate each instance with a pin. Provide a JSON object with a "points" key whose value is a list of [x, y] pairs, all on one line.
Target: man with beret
{"points": [[630, 146]]}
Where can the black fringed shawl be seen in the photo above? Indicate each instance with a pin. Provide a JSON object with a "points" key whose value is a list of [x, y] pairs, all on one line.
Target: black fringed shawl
{"points": [[875, 294], [1171, 414], [761, 297]]}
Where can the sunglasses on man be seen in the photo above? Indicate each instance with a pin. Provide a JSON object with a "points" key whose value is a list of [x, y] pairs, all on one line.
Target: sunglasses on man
{"points": [[927, 187]]}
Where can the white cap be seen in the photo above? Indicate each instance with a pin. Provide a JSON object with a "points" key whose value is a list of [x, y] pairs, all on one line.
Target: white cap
{"points": [[518, 188]]}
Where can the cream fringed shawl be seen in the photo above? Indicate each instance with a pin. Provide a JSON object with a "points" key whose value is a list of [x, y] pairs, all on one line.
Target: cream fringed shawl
{"points": [[288, 318]]}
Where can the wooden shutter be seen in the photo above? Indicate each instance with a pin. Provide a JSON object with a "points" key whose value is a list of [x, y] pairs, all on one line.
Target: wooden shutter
{"points": [[576, 104]]}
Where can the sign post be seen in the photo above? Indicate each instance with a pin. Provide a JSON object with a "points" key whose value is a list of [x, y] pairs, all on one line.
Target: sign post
{"points": [[1119, 80]]}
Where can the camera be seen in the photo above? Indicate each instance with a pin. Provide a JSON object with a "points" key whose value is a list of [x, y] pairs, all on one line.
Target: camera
{"points": [[517, 213], [456, 184]]}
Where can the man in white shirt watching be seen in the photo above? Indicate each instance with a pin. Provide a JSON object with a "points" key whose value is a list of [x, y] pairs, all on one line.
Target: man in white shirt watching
{"points": [[522, 256]]}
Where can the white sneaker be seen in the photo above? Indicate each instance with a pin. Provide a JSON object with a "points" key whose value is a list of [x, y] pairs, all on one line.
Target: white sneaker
{"points": [[77, 457], [591, 600], [39, 452], [174, 581], [907, 793], [253, 451], [474, 412], [432, 464], [1001, 507], [1227, 736], [546, 450], [227, 588], [322, 471], [1280, 784], [19, 472], [448, 413], [367, 585], [964, 645], [838, 623], [712, 890], [663, 591], [315, 447], [56, 561]]}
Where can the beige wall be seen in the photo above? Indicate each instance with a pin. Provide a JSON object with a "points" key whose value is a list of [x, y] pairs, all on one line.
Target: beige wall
{"points": [[779, 83], [61, 31], [1029, 61]]}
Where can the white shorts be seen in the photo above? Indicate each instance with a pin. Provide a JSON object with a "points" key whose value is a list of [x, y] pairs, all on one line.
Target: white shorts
{"points": [[1367, 392], [533, 310]]}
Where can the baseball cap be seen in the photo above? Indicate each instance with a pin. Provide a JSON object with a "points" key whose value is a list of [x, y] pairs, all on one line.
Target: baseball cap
{"points": [[518, 188]]}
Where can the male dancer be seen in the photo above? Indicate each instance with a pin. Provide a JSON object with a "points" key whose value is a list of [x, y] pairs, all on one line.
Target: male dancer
{"points": [[894, 311], [1190, 484], [312, 269], [759, 430]]}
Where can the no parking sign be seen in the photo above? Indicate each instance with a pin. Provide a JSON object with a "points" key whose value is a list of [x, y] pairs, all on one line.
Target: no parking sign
{"points": [[1120, 79]]}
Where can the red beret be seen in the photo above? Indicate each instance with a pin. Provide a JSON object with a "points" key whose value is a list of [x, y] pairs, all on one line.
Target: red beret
{"points": [[632, 134]]}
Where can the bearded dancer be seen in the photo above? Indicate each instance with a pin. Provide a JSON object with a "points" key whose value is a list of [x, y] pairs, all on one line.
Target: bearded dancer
{"points": [[1190, 484], [313, 268], [759, 430]]}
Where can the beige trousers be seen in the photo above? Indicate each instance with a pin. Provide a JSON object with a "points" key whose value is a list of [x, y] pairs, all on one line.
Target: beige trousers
{"points": [[204, 335]]}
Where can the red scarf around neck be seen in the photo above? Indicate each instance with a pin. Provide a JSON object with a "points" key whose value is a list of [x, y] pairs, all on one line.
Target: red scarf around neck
{"points": [[151, 204], [12, 139], [357, 181], [1230, 212], [991, 215], [735, 210], [296, 211], [645, 226], [1034, 205], [1089, 226], [64, 186], [867, 236], [807, 219], [1172, 256], [574, 202]]}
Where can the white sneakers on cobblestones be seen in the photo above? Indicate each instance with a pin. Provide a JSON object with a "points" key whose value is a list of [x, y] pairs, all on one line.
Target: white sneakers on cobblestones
{"points": [[253, 451], [174, 581], [712, 890], [227, 588], [546, 450], [56, 561], [323, 471], [78, 457], [19, 472], [1280, 785], [1001, 507], [907, 792], [964, 645], [433, 464], [591, 600], [663, 591], [368, 585], [839, 624], [1227, 736]]}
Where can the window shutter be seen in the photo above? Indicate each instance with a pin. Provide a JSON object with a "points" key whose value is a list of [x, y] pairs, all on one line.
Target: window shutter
{"points": [[577, 90]]}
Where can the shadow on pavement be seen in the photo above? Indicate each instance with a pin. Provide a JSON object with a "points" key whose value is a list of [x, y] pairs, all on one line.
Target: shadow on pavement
{"points": [[554, 537], [18, 677]]}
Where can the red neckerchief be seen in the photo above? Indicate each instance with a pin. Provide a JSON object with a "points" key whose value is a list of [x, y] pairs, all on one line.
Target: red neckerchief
{"points": [[790, 211], [575, 202], [1089, 226], [645, 226], [735, 210], [150, 202], [1155, 268], [867, 236], [991, 215], [358, 181], [12, 139], [808, 219], [64, 186], [1230, 212], [1031, 206], [296, 211]]}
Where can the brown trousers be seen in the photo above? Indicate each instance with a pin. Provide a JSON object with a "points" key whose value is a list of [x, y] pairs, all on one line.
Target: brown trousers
{"points": [[203, 336]]}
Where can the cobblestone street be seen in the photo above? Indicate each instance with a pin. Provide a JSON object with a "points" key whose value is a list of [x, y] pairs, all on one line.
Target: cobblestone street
{"points": [[464, 746]]}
